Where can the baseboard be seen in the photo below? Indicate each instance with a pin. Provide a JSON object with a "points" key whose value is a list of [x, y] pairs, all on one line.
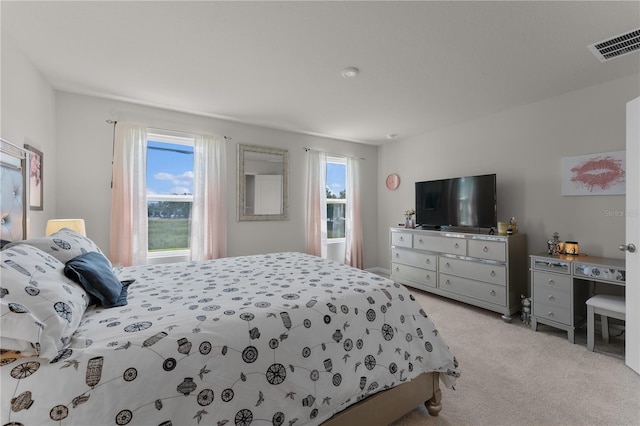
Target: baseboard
{"points": [[379, 271]]}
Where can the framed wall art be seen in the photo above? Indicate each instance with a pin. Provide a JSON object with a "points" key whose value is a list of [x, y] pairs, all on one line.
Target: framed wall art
{"points": [[594, 174], [36, 193]]}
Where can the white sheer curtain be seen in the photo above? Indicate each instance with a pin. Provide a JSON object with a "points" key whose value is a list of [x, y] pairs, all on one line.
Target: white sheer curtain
{"points": [[316, 204], [128, 240], [353, 226], [208, 237]]}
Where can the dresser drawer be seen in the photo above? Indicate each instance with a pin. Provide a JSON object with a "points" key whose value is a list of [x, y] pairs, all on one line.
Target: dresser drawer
{"points": [[492, 250], [549, 280], [552, 296], [548, 264], [604, 273], [447, 245], [424, 276], [478, 290], [494, 274], [414, 258], [552, 312], [401, 239]]}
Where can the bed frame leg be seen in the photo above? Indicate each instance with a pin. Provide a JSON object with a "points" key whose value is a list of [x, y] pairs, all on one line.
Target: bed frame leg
{"points": [[434, 405]]}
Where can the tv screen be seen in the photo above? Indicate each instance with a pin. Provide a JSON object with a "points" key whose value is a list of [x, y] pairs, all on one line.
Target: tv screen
{"points": [[467, 201]]}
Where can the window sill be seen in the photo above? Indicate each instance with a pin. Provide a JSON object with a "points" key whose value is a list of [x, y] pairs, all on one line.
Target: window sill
{"points": [[169, 256], [336, 240]]}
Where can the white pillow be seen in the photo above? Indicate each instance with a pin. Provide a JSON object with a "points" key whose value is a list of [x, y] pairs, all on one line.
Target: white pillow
{"points": [[41, 308], [64, 245]]}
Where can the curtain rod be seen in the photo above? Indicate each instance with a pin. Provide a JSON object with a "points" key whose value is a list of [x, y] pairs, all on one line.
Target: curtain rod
{"points": [[334, 154], [227, 138]]}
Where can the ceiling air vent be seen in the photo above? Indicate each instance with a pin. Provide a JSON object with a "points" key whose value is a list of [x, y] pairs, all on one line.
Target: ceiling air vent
{"points": [[616, 46]]}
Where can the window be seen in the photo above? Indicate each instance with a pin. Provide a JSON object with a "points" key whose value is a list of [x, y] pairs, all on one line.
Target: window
{"points": [[336, 198], [169, 193]]}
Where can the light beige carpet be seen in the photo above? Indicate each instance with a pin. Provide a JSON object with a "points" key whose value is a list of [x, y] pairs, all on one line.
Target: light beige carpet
{"points": [[512, 375]]}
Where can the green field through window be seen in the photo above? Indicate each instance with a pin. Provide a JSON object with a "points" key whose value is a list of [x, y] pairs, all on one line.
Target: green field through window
{"points": [[168, 234]]}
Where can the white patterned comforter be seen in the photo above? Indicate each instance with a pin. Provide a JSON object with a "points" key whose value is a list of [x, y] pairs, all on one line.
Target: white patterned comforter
{"points": [[276, 339]]}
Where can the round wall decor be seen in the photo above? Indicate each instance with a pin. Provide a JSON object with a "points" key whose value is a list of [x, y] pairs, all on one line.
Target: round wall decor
{"points": [[393, 181]]}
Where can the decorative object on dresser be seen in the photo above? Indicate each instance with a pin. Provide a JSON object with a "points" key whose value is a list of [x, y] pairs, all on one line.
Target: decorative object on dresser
{"points": [[571, 248], [488, 271], [554, 245], [560, 287], [408, 218]]}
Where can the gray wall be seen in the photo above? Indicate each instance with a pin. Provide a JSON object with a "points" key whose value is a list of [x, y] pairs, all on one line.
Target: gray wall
{"points": [[524, 146], [84, 170], [27, 116]]}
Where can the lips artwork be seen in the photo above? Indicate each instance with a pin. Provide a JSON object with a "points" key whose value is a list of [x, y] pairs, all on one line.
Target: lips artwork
{"points": [[598, 173]]}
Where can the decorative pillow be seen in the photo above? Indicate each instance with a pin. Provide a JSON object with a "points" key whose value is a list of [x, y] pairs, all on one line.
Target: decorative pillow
{"points": [[40, 307], [64, 245], [93, 272]]}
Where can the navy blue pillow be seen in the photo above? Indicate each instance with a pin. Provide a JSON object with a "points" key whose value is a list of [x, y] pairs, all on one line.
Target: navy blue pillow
{"points": [[93, 272]]}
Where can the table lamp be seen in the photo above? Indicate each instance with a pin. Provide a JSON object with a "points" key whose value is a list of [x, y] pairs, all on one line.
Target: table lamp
{"points": [[77, 225]]}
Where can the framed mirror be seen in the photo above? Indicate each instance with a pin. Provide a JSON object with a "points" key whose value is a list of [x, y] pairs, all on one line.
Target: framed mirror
{"points": [[263, 183]]}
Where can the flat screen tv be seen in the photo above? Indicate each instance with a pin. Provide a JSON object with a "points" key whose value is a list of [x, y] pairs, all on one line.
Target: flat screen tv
{"points": [[467, 201]]}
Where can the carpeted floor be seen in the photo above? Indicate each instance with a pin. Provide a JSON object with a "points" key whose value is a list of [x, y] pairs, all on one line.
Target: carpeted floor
{"points": [[512, 375]]}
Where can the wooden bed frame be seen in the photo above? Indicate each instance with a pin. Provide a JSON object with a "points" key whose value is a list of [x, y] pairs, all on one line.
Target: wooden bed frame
{"points": [[381, 408], [389, 405]]}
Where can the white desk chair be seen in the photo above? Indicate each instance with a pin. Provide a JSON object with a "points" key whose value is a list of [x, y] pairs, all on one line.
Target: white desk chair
{"points": [[606, 306]]}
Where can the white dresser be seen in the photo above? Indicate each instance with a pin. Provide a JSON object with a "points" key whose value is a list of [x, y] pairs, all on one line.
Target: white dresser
{"points": [[489, 271]]}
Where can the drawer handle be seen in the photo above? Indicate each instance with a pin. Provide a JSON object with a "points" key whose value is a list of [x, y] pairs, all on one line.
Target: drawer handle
{"points": [[420, 241], [401, 238], [456, 245], [447, 282], [550, 314], [485, 249], [397, 269], [447, 265], [552, 282], [428, 277], [428, 261], [493, 273], [397, 254], [493, 292], [552, 298]]}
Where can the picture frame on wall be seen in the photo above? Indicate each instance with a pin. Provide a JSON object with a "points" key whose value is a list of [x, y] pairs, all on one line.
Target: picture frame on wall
{"points": [[594, 174], [36, 183]]}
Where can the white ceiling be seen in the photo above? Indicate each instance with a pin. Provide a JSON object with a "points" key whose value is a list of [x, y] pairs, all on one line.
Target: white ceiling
{"points": [[423, 64]]}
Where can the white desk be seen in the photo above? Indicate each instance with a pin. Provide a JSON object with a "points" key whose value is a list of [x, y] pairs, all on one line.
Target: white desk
{"points": [[560, 286]]}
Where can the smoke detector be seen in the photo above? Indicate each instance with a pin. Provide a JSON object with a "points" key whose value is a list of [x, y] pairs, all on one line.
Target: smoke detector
{"points": [[616, 46], [350, 72]]}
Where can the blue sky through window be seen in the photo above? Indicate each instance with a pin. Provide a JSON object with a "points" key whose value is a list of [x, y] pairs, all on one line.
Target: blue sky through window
{"points": [[336, 177], [169, 168]]}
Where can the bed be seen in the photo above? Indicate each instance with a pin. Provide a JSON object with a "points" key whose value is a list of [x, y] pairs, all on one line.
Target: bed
{"points": [[280, 338]]}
